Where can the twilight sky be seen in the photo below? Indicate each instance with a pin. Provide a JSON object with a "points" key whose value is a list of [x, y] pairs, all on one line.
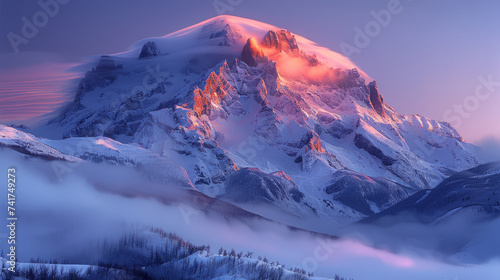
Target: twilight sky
{"points": [[440, 59]]}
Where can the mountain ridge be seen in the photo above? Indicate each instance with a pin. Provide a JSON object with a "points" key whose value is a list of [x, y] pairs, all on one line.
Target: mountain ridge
{"points": [[477, 188]]}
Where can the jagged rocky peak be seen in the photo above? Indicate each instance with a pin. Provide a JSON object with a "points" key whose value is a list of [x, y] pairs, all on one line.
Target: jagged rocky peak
{"points": [[213, 87], [376, 99], [149, 49], [282, 40], [224, 69], [252, 54], [214, 94]]}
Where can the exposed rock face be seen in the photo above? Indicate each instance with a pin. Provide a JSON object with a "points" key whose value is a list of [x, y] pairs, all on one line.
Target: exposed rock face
{"points": [[339, 129], [227, 35], [210, 96], [376, 99], [252, 54], [314, 142], [284, 42], [217, 91], [363, 143], [281, 40], [253, 185], [267, 123], [149, 49]]}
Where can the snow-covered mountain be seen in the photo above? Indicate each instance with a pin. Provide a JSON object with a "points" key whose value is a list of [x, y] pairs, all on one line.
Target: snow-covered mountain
{"points": [[474, 192], [459, 219], [255, 113]]}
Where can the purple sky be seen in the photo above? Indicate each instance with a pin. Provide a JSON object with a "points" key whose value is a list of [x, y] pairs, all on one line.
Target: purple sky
{"points": [[428, 59]]}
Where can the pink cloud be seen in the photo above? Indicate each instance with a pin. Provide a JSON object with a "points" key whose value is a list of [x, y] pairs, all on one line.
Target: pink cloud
{"points": [[32, 91]]}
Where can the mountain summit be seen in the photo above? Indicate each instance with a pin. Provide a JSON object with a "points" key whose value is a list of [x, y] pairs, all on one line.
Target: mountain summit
{"points": [[230, 99]]}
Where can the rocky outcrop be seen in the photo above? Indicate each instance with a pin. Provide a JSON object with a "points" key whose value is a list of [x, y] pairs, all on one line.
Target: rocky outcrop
{"points": [[281, 40], [218, 98], [339, 129], [227, 35], [211, 96], [376, 99], [312, 142], [363, 143], [149, 49], [349, 78], [252, 54]]}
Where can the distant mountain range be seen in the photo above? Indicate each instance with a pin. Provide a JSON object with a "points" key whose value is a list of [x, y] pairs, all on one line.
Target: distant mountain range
{"points": [[473, 192]]}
